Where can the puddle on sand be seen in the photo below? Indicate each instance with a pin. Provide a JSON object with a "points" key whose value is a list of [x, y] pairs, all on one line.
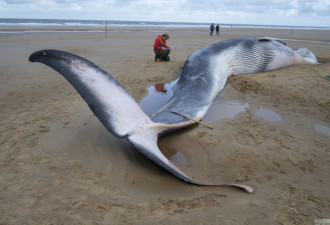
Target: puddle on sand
{"points": [[224, 109], [322, 128], [158, 95], [179, 160], [268, 115]]}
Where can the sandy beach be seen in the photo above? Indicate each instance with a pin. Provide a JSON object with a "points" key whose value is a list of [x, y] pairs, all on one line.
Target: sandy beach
{"points": [[59, 165]]}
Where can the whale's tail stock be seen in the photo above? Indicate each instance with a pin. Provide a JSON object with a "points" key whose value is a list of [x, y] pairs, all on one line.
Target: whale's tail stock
{"points": [[116, 108]]}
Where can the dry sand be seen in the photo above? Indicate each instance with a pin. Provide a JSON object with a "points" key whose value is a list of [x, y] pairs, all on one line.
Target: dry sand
{"points": [[59, 165]]}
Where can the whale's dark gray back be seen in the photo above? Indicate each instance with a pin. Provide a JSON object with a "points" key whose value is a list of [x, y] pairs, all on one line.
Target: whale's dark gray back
{"points": [[199, 80], [195, 85]]}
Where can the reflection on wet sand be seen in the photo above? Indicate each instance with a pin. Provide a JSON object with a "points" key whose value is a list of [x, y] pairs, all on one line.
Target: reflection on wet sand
{"points": [[268, 115], [160, 88], [179, 160], [322, 128], [158, 95], [221, 108]]}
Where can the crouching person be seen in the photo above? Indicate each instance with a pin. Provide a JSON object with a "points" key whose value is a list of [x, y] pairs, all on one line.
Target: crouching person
{"points": [[161, 49]]}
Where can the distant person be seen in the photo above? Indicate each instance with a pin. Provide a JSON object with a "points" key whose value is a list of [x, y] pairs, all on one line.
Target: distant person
{"points": [[217, 29], [161, 49], [211, 29]]}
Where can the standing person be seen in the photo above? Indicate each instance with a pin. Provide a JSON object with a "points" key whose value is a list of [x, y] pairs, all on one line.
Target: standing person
{"points": [[161, 49], [217, 28], [211, 29]]}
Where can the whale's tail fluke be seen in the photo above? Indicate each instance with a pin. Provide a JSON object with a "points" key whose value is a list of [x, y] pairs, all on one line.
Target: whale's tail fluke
{"points": [[146, 143], [115, 107], [109, 101]]}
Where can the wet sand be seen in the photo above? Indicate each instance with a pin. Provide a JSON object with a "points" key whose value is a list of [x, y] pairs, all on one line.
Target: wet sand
{"points": [[59, 165]]}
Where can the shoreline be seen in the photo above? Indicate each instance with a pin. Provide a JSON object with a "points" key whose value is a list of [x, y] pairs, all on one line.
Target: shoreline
{"points": [[120, 23], [320, 35]]}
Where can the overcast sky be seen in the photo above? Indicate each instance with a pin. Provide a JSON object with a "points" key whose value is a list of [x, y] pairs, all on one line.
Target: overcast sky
{"points": [[266, 12]]}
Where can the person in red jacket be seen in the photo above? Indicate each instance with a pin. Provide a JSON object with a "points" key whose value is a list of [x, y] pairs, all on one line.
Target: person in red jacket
{"points": [[161, 49]]}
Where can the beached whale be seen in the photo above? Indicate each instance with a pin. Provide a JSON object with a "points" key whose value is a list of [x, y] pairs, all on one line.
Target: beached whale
{"points": [[203, 76]]}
